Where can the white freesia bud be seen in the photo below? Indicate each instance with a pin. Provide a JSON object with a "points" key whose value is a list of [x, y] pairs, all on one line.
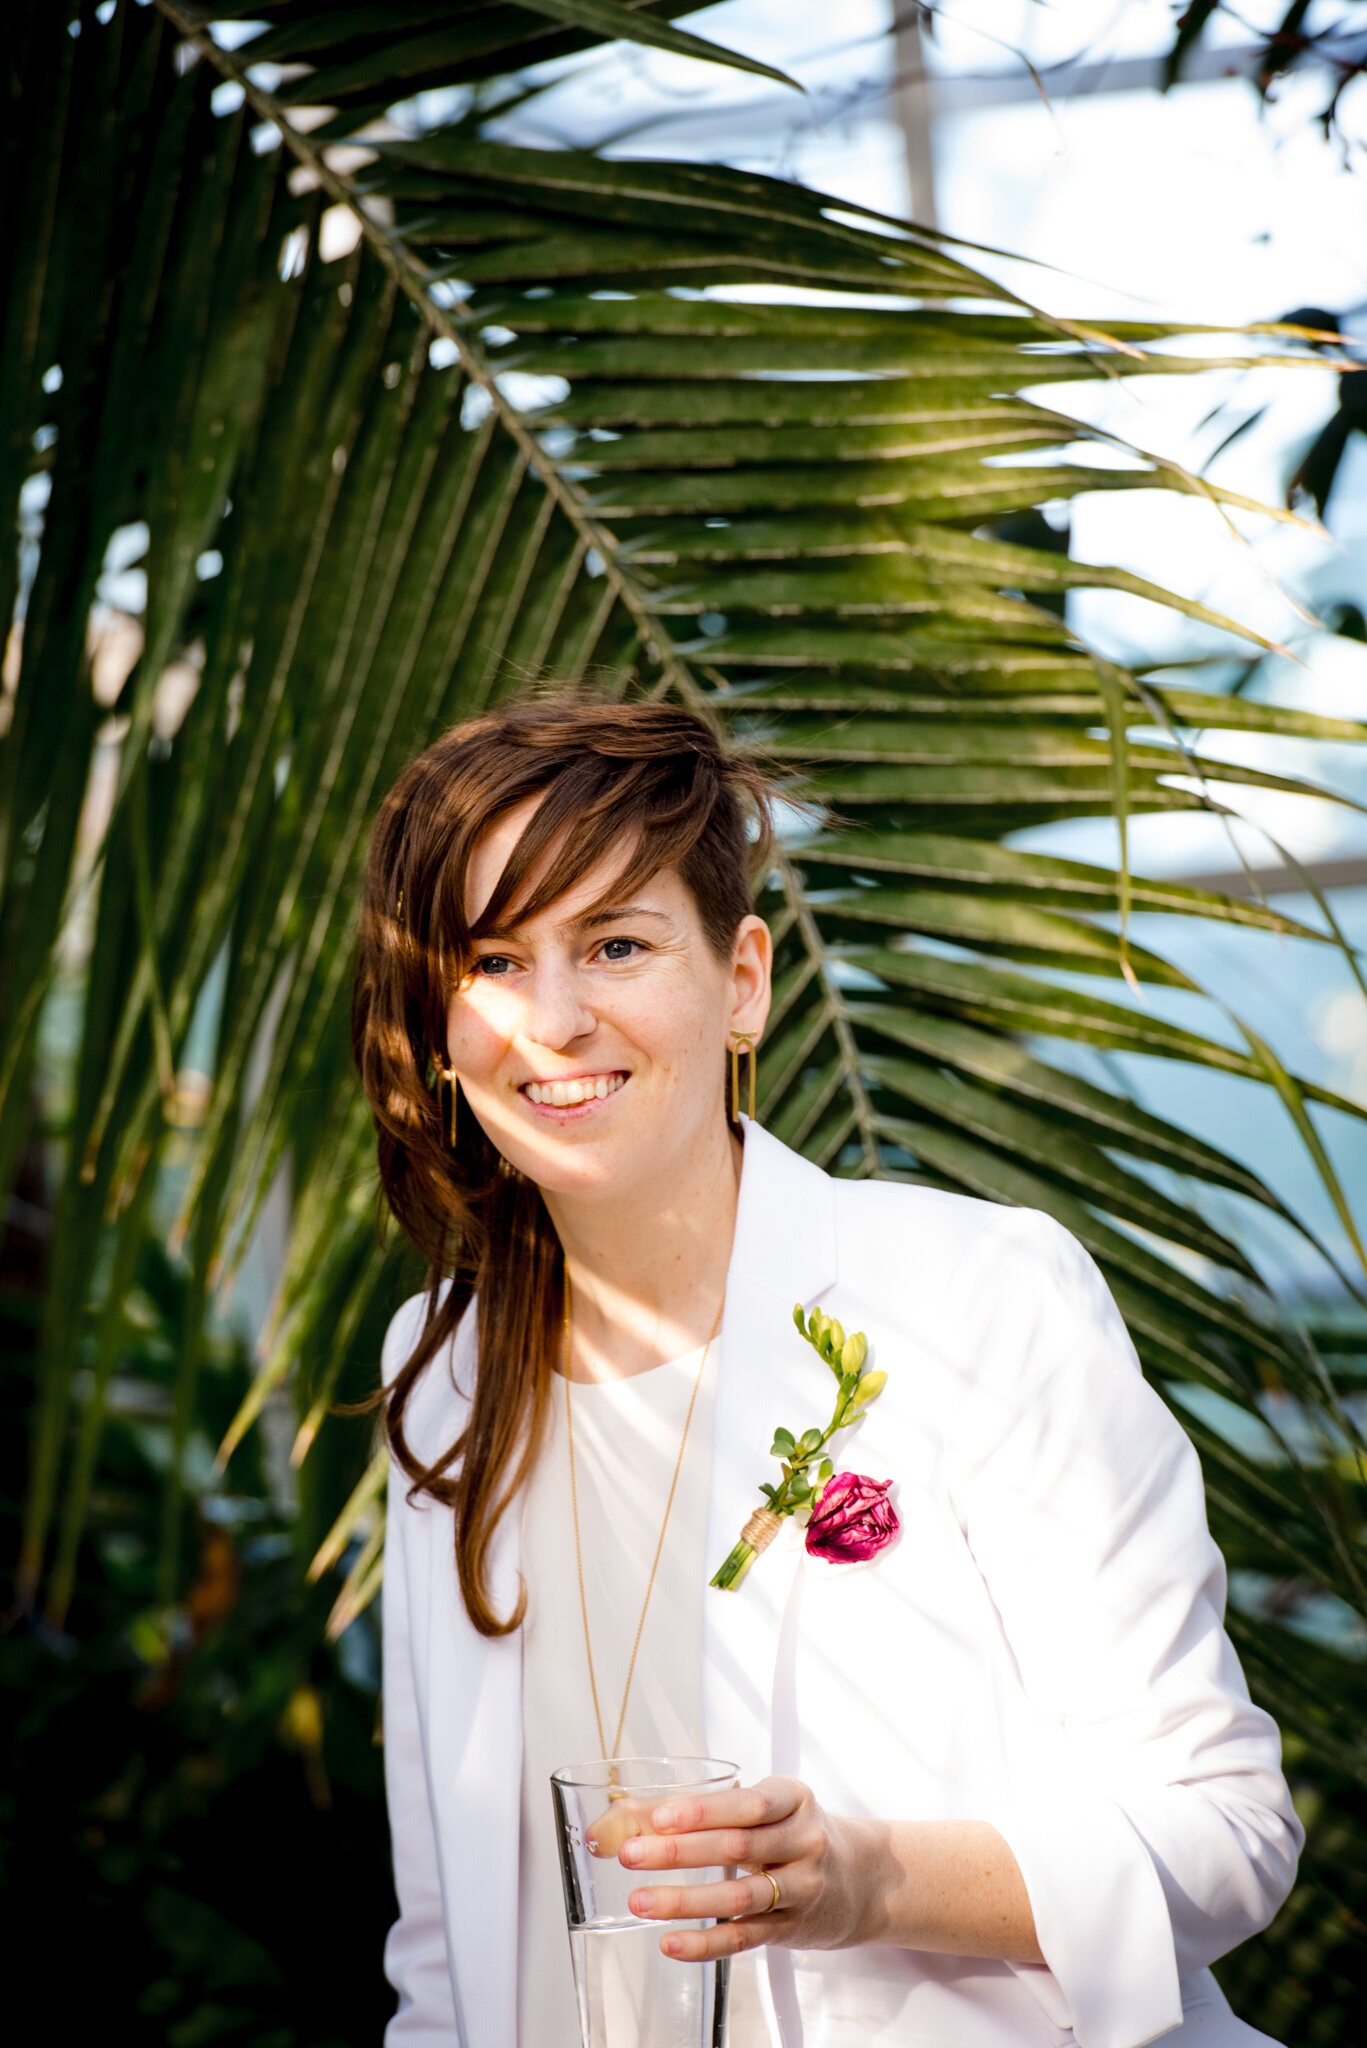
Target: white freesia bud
{"points": [[869, 1388], [854, 1351]]}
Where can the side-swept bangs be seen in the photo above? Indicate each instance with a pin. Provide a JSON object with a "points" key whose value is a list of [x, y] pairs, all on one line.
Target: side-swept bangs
{"points": [[644, 785]]}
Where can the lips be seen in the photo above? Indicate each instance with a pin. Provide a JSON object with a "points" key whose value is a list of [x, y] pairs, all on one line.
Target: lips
{"points": [[570, 1094]]}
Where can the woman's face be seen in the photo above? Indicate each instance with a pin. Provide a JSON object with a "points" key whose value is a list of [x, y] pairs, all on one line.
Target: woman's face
{"points": [[591, 1043]]}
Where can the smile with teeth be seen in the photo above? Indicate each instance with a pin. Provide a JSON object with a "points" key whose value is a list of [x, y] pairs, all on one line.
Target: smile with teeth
{"points": [[565, 1094]]}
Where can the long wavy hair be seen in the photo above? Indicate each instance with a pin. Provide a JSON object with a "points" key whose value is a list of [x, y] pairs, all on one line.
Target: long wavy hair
{"points": [[645, 785]]}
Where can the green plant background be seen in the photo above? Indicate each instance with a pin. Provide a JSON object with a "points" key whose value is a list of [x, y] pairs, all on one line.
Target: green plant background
{"points": [[538, 422]]}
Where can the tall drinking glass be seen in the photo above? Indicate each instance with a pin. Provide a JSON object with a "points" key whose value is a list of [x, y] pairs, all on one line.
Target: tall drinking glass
{"points": [[631, 1996]]}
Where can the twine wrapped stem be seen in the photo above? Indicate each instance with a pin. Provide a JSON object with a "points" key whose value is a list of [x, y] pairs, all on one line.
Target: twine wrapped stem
{"points": [[761, 1529]]}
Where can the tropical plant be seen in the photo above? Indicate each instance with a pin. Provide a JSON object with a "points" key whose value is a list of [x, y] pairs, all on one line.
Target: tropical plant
{"points": [[192, 1798], [665, 428], [1334, 42]]}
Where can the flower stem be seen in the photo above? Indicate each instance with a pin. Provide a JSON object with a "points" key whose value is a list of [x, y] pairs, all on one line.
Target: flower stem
{"points": [[736, 1566]]}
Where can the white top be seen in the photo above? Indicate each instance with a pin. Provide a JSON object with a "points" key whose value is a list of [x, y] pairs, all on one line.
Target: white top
{"points": [[626, 1439]]}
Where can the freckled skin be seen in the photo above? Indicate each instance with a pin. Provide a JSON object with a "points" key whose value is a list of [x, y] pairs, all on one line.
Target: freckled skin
{"points": [[644, 994]]}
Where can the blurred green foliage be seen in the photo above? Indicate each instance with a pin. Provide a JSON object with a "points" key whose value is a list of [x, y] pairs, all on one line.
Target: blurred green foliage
{"points": [[192, 1837]]}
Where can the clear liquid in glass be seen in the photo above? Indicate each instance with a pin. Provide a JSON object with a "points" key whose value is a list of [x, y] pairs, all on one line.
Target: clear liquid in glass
{"points": [[631, 1996]]}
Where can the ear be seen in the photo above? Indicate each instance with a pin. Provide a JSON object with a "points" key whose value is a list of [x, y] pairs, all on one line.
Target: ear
{"points": [[752, 962]]}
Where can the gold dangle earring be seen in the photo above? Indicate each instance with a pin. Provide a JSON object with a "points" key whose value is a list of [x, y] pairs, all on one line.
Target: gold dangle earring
{"points": [[742, 1042], [448, 1075]]}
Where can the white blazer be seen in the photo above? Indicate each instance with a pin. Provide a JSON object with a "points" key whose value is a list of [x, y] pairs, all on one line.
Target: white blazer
{"points": [[1042, 1647]]}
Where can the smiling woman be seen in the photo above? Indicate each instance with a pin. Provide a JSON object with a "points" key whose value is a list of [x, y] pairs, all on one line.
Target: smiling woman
{"points": [[1003, 1782]]}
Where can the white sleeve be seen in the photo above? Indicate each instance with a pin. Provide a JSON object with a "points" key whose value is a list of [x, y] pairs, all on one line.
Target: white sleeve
{"points": [[415, 1958], [1158, 1832]]}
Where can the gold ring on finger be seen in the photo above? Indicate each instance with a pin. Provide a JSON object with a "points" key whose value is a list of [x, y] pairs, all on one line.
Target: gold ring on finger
{"points": [[776, 1900]]}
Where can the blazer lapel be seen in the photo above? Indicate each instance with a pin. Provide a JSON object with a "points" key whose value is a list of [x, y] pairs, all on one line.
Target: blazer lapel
{"points": [[784, 1252]]}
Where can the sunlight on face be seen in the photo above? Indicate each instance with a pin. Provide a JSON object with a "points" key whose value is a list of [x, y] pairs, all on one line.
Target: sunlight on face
{"points": [[591, 1043]]}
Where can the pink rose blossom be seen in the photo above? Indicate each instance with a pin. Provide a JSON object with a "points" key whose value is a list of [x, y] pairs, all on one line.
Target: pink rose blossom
{"points": [[853, 1519]]}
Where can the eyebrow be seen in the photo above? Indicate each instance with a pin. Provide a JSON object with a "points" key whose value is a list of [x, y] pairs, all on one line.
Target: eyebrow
{"points": [[593, 918], [590, 921]]}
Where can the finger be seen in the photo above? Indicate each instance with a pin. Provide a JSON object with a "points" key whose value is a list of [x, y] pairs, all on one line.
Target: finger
{"points": [[727, 1938], [621, 1819], [750, 1806], [781, 1844], [728, 1899], [731, 1899]]}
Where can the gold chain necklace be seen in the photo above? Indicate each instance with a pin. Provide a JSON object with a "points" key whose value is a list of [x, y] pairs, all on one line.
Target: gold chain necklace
{"points": [[659, 1547]]}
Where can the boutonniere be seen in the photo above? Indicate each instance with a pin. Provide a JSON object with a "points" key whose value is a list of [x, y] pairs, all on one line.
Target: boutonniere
{"points": [[851, 1517]]}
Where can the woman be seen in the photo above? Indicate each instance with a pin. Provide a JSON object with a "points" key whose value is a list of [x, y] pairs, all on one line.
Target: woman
{"points": [[1001, 1783]]}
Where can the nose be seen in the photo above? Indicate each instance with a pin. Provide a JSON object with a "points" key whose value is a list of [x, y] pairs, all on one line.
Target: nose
{"points": [[557, 1015]]}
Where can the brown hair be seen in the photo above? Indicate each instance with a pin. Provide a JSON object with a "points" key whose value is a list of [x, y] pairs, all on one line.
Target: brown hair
{"points": [[648, 782]]}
